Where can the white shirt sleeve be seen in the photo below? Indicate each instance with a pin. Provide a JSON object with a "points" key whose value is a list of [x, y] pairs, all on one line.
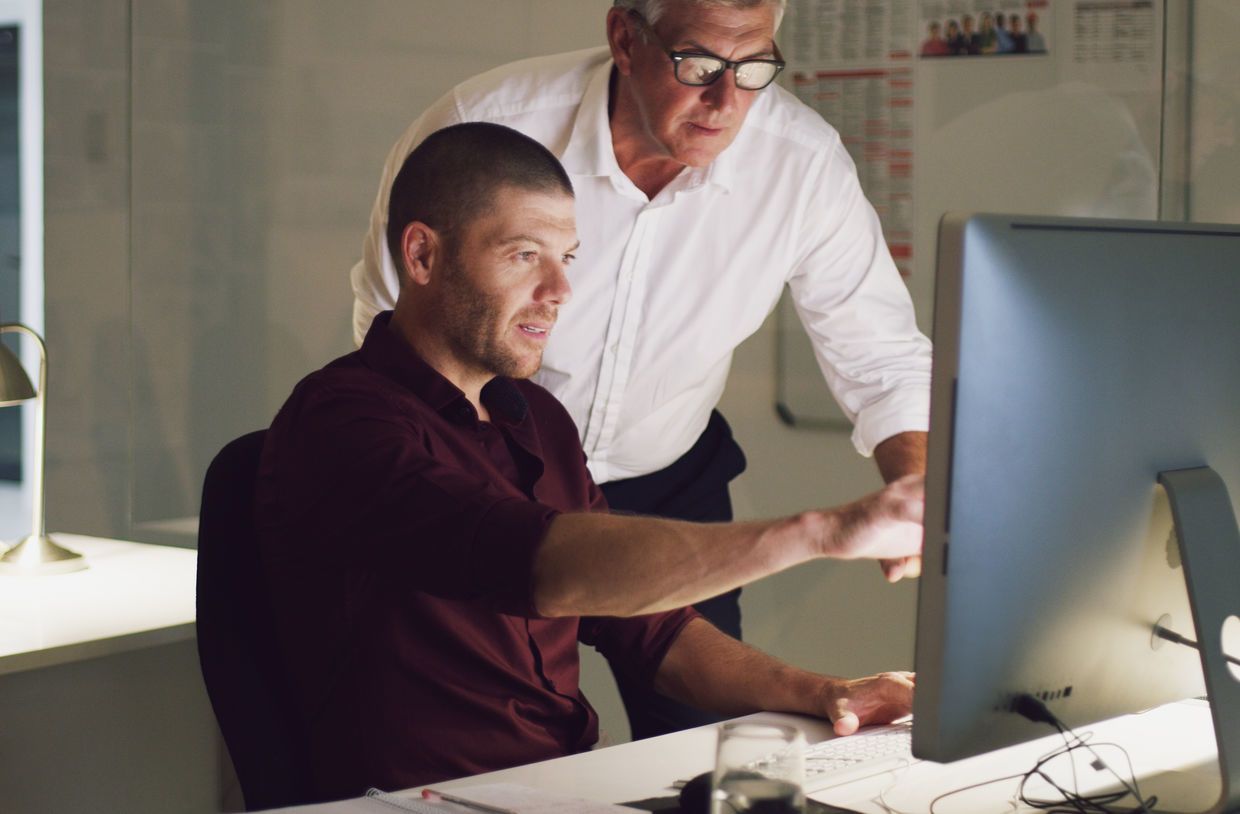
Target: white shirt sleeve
{"points": [[858, 312], [374, 277]]}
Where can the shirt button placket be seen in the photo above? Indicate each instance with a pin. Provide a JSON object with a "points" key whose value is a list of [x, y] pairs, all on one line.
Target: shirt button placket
{"points": [[623, 322]]}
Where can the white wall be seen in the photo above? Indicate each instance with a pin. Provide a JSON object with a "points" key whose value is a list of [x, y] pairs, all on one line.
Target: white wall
{"points": [[1214, 158], [86, 275], [259, 130], [16, 513], [210, 167]]}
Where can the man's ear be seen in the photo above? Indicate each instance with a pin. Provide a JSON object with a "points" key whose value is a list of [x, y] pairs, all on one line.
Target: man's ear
{"points": [[420, 248], [621, 36]]}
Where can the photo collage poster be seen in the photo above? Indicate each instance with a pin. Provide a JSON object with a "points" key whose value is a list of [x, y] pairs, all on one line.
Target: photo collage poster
{"points": [[984, 28]]}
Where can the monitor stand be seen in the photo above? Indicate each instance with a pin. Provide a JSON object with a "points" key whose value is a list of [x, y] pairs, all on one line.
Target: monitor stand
{"points": [[1210, 547]]}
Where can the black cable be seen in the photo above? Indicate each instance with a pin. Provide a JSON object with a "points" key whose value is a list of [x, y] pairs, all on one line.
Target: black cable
{"points": [[1171, 636], [1072, 802], [1034, 710]]}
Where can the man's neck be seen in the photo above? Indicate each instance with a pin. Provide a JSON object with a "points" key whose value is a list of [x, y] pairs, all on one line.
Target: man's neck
{"points": [[436, 353], [638, 153]]}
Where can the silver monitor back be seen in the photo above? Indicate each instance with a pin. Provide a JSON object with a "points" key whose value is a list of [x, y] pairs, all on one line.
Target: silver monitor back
{"points": [[1074, 361]]}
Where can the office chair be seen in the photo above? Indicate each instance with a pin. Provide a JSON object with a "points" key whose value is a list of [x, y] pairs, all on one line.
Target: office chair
{"points": [[236, 636]]}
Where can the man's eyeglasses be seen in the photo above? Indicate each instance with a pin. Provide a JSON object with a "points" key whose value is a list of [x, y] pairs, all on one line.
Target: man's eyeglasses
{"points": [[701, 69], [696, 69]]}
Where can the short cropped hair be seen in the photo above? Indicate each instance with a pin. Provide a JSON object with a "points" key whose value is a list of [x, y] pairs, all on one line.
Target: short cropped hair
{"points": [[452, 177], [652, 10]]}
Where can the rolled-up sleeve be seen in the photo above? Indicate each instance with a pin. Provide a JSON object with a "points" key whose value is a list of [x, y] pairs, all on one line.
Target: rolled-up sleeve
{"points": [[635, 645], [858, 312]]}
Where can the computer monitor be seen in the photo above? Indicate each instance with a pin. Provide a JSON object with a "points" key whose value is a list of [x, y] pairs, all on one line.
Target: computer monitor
{"points": [[1076, 361]]}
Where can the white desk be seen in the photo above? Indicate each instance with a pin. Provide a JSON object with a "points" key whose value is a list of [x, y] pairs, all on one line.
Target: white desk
{"points": [[101, 697], [1172, 750], [132, 596], [1176, 737]]}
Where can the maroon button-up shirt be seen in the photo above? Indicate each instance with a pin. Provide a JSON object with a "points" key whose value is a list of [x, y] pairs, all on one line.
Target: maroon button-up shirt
{"points": [[398, 533]]}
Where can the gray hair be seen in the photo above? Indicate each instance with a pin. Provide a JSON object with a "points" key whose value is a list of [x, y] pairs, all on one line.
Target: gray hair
{"points": [[652, 10]]}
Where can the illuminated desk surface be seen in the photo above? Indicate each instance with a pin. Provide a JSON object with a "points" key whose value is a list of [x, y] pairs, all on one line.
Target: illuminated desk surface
{"points": [[1172, 749], [132, 596]]}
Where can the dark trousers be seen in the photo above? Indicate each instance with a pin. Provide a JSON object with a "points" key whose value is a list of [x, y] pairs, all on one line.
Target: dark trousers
{"points": [[694, 487]]}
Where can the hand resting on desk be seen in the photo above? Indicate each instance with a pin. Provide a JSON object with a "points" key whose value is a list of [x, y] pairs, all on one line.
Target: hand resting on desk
{"points": [[713, 671]]}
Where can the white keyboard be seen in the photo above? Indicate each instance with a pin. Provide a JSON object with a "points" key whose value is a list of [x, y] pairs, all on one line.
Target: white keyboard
{"points": [[870, 752]]}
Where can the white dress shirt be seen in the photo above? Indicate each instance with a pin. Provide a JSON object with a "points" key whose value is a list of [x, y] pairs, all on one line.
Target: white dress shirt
{"points": [[664, 289]]}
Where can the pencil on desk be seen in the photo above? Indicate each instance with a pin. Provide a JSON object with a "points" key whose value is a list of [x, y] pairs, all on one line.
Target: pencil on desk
{"points": [[431, 794]]}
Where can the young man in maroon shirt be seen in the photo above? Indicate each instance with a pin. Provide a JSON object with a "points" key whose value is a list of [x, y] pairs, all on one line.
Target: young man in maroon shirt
{"points": [[434, 545]]}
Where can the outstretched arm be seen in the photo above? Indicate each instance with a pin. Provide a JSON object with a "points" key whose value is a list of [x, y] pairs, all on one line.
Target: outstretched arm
{"points": [[612, 565]]}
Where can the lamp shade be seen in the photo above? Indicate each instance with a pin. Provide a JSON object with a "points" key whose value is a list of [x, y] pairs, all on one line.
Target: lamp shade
{"points": [[15, 386]]}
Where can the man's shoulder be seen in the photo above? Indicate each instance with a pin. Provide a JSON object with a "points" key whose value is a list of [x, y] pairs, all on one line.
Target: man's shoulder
{"points": [[780, 117], [529, 85], [345, 382], [792, 142], [347, 370]]}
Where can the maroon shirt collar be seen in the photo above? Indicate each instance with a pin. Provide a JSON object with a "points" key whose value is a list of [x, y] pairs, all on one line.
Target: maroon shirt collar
{"points": [[386, 352]]}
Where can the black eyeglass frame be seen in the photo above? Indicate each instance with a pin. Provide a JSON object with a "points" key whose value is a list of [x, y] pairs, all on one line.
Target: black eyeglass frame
{"points": [[679, 56]]}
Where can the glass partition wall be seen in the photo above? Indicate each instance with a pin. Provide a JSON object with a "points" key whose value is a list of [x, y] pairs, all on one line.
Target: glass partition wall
{"points": [[21, 201], [258, 132], [10, 238], [210, 169]]}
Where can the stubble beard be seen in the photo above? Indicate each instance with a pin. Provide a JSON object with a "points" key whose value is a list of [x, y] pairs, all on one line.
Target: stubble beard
{"points": [[476, 334]]}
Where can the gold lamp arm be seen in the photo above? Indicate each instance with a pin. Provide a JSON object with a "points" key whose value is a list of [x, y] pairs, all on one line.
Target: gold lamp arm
{"points": [[40, 426], [38, 553]]}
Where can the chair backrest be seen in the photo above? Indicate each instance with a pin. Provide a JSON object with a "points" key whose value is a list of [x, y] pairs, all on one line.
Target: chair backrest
{"points": [[236, 636]]}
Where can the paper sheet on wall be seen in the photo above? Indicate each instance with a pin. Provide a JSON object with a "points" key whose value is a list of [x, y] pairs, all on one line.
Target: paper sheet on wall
{"points": [[852, 63], [1113, 31]]}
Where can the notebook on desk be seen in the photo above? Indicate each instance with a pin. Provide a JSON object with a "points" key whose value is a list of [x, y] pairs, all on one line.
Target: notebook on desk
{"points": [[493, 798]]}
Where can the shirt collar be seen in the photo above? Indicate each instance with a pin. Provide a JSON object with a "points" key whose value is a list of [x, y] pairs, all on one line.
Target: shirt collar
{"points": [[386, 352], [590, 152]]}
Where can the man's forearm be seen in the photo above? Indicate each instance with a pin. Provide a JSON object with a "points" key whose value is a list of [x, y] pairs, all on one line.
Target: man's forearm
{"points": [[711, 671], [897, 457], [614, 565], [900, 455]]}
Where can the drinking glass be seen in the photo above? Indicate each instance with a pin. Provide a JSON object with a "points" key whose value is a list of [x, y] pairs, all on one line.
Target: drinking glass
{"points": [[759, 769]]}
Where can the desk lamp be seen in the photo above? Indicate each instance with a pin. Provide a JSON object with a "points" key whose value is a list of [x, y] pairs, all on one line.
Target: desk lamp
{"points": [[37, 554]]}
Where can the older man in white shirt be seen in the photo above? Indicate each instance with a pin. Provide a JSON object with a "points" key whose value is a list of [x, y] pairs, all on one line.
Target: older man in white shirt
{"points": [[702, 190]]}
